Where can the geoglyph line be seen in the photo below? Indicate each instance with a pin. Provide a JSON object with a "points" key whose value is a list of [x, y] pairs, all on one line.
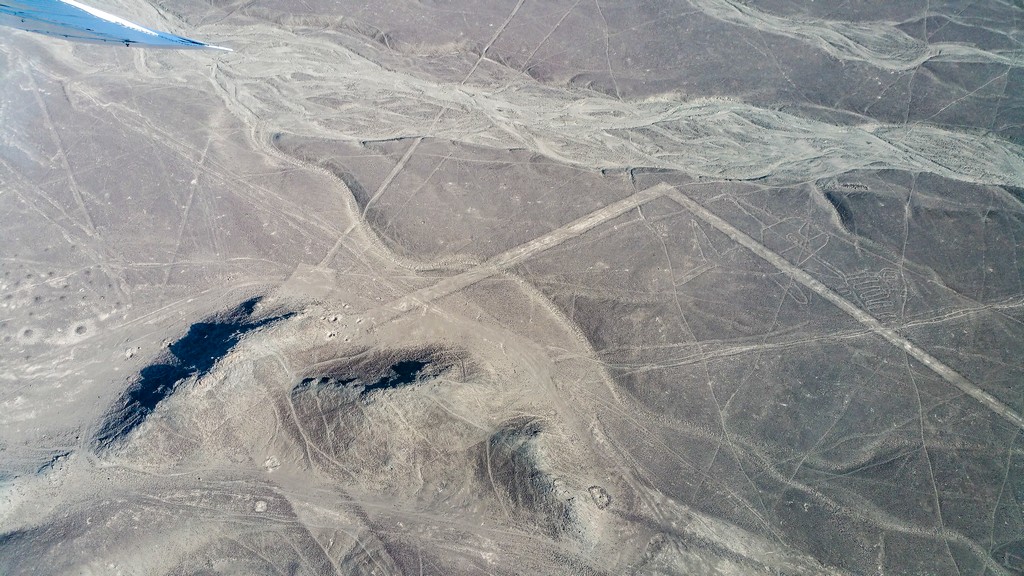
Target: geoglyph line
{"points": [[712, 137], [581, 225], [945, 372], [512, 257]]}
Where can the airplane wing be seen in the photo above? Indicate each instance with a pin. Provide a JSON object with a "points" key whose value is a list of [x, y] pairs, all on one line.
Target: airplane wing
{"points": [[75, 21]]}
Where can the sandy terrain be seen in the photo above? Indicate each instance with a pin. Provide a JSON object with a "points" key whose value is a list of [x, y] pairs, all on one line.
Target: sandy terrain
{"points": [[688, 287]]}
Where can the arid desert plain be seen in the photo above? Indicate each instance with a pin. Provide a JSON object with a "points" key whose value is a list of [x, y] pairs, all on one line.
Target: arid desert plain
{"points": [[581, 287]]}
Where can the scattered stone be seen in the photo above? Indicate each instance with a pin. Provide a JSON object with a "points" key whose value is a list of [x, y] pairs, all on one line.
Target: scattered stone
{"points": [[600, 496]]}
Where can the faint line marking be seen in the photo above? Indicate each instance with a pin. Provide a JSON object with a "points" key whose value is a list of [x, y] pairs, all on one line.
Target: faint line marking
{"points": [[419, 139], [76, 192], [526, 63], [185, 212]]}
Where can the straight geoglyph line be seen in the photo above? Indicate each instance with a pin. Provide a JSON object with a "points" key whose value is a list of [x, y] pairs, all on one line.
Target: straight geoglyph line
{"points": [[799, 275], [513, 256]]}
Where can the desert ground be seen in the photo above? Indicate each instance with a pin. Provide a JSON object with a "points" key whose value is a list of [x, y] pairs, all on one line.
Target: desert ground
{"points": [[701, 287]]}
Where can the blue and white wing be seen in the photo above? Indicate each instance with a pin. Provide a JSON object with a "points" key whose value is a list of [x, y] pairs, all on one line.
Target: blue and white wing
{"points": [[76, 21]]}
